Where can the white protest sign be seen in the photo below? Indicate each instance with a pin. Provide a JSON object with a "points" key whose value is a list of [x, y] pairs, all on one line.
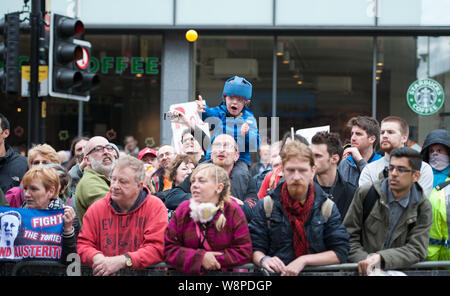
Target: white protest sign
{"points": [[191, 113], [308, 133]]}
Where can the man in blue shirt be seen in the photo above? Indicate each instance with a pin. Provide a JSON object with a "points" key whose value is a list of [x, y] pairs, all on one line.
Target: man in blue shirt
{"points": [[365, 133]]}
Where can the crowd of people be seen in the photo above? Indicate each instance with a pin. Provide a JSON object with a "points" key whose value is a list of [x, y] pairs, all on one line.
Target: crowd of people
{"points": [[211, 208]]}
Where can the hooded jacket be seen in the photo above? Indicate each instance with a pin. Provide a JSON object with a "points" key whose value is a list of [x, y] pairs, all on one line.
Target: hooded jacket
{"points": [[139, 233], [12, 168], [439, 136], [409, 241], [438, 248], [224, 123]]}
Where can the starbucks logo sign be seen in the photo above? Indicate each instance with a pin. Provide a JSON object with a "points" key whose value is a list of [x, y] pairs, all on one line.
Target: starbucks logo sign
{"points": [[425, 96]]}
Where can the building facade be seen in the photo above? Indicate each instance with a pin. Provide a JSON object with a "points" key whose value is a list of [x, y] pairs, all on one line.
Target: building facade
{"points": [[311, 63]]}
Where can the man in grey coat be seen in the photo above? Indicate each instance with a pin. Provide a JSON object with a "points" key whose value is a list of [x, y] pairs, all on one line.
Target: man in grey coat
{"points": [[395, 226]]}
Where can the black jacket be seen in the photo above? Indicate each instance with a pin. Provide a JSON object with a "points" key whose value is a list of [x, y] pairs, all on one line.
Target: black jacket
{"points": [[243, 187], [12, 168], [341, 193], [277, 241]]}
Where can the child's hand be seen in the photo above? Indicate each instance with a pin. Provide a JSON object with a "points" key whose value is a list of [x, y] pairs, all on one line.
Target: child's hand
{"points": [[200, 104], [244, 129]]}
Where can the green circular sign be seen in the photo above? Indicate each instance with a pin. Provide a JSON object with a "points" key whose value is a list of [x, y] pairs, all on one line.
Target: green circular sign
{"points": [[425, 96]]}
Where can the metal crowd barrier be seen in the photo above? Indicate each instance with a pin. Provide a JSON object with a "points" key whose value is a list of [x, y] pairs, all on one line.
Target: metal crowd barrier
{"points": [[49, 268]]}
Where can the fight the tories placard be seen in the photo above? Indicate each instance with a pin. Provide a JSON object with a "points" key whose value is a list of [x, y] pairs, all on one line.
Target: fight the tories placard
{"points": [[30, 234]]}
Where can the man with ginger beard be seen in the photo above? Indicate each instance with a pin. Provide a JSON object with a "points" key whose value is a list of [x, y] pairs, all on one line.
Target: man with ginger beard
{"points": [[94, 185], [394, 133], [296, 233]]}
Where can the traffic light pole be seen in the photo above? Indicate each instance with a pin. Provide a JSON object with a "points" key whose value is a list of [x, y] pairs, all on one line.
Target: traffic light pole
{"points": [[33, 103]]}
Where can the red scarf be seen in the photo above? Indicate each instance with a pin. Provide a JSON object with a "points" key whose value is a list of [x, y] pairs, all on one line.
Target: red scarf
{"points": [[298, 214]]}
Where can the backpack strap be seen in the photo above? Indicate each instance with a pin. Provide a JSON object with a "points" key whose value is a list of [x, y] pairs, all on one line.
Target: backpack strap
{"points": [[268, 207], [327, 208], [442, 185], [371, 197]]}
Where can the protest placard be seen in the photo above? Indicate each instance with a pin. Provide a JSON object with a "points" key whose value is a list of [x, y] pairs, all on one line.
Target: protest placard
{"points": [[191, 113], [30, 234]]}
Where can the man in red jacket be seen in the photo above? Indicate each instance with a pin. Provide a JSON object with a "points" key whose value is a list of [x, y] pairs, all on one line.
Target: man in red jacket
{"points": [[126, 228]]}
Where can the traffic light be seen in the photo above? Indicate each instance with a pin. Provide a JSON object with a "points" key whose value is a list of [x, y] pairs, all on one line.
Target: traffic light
{"points": [[9, 53], [69, 66]]}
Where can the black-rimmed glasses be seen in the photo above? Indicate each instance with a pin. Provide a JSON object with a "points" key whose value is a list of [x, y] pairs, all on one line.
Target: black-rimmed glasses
{"points": [[101, 148], [400, 169]]}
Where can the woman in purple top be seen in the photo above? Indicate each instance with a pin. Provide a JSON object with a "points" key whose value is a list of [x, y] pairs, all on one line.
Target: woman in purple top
{"points": [[209, 231]]}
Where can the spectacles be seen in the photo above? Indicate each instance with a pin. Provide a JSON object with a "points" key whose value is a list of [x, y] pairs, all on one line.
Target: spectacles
{"points": [[400, 170], [224, 146], [101, 148]]}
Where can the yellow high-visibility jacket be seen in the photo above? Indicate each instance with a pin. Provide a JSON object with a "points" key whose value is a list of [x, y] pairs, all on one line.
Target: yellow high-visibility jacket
{"points": [[439, 246]]}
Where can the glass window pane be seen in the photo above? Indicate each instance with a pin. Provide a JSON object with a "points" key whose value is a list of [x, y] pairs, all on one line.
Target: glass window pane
{"points": [[222, 57], [231, 12], [325, 12], [323, 81], [405, 60], [414, 13]]}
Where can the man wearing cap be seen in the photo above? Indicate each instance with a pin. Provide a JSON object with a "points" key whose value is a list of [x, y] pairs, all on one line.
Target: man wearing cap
{"points": [[233, 117], [149, 157]]}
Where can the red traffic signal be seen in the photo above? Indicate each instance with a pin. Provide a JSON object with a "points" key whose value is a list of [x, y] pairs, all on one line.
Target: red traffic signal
{"points": [[69, 60]]}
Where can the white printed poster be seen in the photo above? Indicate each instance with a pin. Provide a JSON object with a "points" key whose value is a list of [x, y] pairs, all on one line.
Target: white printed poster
{"points": [[308, 133], [190, 111]]}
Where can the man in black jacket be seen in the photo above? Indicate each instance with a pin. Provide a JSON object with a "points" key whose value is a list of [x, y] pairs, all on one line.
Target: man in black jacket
{"points": [[224, 153], [327, 150], [302, 227], [12, 165]]}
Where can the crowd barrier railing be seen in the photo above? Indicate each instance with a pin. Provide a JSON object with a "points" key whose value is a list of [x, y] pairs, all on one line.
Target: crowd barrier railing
{"points": [[51, 268]]}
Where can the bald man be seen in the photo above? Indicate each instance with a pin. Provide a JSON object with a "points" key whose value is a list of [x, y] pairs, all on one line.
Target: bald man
{"points": [[99, 157]]}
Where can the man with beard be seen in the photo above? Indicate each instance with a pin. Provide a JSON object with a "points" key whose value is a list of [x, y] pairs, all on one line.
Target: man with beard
{"points": [[394, 132], [389, 222], [161, 180], [99, 158], [296, 233], [224, 153]]}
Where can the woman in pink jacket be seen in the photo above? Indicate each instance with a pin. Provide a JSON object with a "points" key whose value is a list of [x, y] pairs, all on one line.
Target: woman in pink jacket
{"points": [[209, 231]]}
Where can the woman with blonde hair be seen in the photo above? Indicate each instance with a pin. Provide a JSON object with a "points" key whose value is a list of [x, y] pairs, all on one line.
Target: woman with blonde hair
{"points": [[39, 154], [209, 231]]}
